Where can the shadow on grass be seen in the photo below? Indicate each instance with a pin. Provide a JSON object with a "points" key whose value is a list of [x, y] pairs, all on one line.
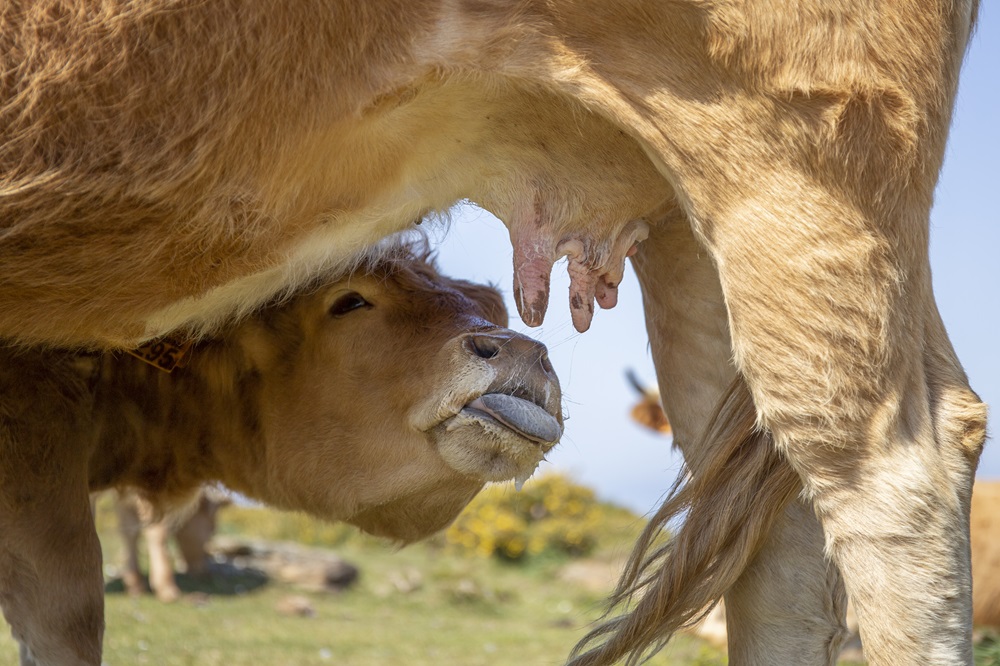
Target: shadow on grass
{"points": [[221, 579]]}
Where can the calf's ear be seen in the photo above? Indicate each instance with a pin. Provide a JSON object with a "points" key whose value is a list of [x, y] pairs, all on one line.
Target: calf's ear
{"points": [[487, 299]]}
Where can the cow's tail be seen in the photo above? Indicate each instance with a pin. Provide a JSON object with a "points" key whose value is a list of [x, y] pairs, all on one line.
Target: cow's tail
{"points": [[728, 509]]}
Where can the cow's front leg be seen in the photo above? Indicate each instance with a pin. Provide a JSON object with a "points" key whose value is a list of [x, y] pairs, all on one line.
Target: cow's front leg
{"points": [[53, 592], [788, 607], [51, 584]]}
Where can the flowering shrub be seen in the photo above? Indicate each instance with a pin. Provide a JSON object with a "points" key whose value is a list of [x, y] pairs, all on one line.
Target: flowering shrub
{"points": [[550, 515]]}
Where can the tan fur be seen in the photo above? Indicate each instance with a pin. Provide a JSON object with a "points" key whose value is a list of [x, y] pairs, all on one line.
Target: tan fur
{"points": [[169, 165], [366, 415]]}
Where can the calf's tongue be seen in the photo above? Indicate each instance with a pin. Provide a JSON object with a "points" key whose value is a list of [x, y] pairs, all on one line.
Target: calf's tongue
{"points": [[522, 416]]}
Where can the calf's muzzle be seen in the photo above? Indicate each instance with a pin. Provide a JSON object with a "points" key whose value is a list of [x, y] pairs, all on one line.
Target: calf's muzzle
{"points": [[525, 394]]}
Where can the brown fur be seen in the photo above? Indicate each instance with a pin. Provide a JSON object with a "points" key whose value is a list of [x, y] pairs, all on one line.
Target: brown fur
{"points": [[985, 545], [169, 165]]}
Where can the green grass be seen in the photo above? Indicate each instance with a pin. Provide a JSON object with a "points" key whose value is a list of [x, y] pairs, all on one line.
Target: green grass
{"points": [[467, 612]]}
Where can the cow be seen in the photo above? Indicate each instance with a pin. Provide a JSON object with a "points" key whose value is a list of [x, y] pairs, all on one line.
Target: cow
{"points": [[170, 164], [385, 398], [191, 527]]}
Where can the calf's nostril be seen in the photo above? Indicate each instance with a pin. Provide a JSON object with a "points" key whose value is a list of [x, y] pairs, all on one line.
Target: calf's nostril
{"points": [[484, 346], [546, 363]]}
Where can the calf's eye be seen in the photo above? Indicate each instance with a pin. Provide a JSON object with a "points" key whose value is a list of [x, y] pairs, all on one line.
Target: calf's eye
{"points": [[348, 303]]}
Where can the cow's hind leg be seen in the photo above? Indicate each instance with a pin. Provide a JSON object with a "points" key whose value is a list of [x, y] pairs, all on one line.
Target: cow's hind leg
{"points": [[788, 606], [51, 585]]}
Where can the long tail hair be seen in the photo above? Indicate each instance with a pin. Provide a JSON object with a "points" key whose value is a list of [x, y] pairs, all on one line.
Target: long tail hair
{"points": [[728, 509]]}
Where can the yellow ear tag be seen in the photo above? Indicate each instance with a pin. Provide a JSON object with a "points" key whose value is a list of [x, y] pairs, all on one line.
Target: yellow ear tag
{"points": [[164, 353]]}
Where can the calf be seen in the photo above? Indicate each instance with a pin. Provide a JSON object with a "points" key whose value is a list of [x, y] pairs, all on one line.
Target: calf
{"points": [[385, 399]]}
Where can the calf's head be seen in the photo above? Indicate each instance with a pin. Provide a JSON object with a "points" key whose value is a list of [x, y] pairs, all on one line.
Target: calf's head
{"points": [[389, 397]]}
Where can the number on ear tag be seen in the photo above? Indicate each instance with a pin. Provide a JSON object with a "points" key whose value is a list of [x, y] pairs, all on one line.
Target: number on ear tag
{"points": [[164, 353]]}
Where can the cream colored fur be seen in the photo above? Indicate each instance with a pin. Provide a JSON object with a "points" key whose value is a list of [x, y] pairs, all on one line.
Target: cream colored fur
{"points": [[167, 165]]}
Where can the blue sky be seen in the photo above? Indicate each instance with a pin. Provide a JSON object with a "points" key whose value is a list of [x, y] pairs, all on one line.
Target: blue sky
{"points": [[602, 448]]}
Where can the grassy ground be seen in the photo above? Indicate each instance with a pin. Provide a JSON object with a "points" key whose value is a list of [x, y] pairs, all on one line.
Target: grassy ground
{"points": [[420, 606], [465, 611]]}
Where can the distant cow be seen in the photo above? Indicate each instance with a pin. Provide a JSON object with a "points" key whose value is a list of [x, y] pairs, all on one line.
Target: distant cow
{"points": [[385, 398], [191, 528], [648, 411]]}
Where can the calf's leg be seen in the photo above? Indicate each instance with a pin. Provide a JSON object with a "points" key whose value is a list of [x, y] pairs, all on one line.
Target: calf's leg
{"points": [[52, 588], [51, 584]]}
